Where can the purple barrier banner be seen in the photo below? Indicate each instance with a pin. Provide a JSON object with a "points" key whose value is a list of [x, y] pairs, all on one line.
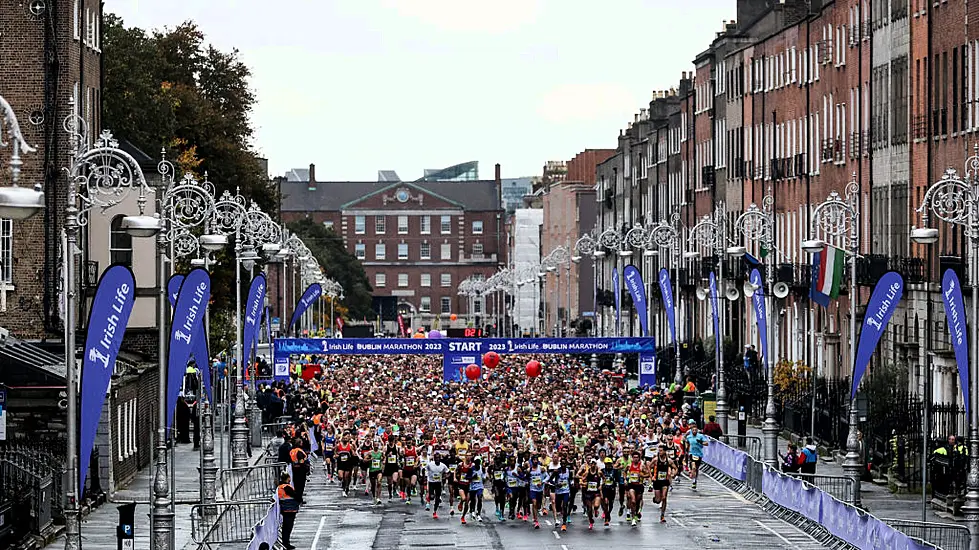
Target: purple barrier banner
{"points": [[268, 530], [107, 322], [666, 289], [790, 492], [199, 349], [730, 461], [633, 280], [955, 314]]}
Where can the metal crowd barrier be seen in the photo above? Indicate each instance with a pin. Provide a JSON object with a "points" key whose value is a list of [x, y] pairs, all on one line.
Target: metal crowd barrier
{"points": [[250, 482], [947, 536], [840, 487], [748, 443], [35, 481], [270, 431], [226, 522]]}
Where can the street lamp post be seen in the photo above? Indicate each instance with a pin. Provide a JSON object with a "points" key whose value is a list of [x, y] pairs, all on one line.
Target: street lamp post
{"points": [[955, 200], [836, 221], [668, 235], [758, 225], [100, 176], [711, 232]]}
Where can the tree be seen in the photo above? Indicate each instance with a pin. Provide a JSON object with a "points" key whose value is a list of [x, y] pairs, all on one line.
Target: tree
{"points": [[341, 266]]}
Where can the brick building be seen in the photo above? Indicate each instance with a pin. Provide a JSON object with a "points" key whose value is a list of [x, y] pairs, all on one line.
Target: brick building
{"points": [[51, 58], [416, 240], [569, 212]]}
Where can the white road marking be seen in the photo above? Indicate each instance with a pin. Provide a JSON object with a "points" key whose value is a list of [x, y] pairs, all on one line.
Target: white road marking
{"points": [[678, 522], [547, 521], [772, 531], [564, 547], [319, 531], [557, 536]]}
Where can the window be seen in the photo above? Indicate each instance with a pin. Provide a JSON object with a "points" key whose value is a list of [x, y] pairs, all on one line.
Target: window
{"points": [[6, 250], [446, 251], [426, 251], [328, 225], [360, 225], [75, 19], [380, 251], [477, 249], [380, 224], [477, 227], [446, 304], [380, 279], [426, 304], [446, 279], [426, 225], [478, 305], [402, 225], [402, 251], [446, 225], [402, 280], [360, 251], [426, 279], [120, 243]]}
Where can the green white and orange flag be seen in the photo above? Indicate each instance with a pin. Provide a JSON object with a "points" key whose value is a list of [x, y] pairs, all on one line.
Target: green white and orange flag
{"points": [[827, 274]]}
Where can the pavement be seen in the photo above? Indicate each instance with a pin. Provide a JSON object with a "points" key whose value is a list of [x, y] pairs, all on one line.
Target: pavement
{"points": [[710, 517], [876, 498], [99, 527]]}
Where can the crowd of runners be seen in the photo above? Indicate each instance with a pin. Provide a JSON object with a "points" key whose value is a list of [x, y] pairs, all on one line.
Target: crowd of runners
{"points": [[572, 439]]}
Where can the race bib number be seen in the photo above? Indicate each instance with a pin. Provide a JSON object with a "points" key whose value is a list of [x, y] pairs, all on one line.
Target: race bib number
{"points": [[536, 480], [344, 456], [392, 459], [409, 461], [695, 458], [375, 464], [633, 477], [592, 486], [609, 481], [452, 468], [563, 484], [461, 452], [498, 475], [512, 481], [327, 447], [437, 477]]}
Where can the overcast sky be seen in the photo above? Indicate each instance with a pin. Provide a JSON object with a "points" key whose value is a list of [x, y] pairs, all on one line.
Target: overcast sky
{"points": [[361, 85]]}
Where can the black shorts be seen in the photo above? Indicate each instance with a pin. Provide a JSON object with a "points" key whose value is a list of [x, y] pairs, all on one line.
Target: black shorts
{"points": [[638, 488], [345, 465], [659, 485], [608, 492], [408, 472], [589, 496], [434, 488], [390, 469], [365, 464]]}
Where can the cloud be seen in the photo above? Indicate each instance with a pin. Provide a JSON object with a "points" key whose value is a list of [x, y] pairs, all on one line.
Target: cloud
{"points": [[496, 16], [585, 102]]}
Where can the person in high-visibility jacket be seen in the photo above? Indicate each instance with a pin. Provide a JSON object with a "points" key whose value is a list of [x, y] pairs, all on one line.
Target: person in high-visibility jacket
{"points": [[300, 466], [289, 501]]}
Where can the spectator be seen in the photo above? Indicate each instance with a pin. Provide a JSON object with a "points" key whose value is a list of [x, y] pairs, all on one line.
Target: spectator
{"points": [[810, 456], [791, 461], [713, 429]]}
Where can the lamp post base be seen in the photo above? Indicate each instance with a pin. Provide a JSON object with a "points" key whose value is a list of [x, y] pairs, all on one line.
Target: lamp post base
{"points": [[239, 434], [73, 535], [971, 506], [162, 527], [255, 425], [852, 465], [209, 470]]}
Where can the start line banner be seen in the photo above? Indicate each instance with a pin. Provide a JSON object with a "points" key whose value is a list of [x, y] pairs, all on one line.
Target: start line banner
{"points": [[284, 347]]}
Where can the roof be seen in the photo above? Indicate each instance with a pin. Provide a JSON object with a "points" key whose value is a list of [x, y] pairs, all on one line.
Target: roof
{"points": [[451, 172], [19, 354], [298, 174], [332, 196]]}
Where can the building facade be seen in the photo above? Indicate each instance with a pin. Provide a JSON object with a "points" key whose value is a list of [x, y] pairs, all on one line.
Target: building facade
{"points": [[416, 240], [525, 245], [569, 212]]}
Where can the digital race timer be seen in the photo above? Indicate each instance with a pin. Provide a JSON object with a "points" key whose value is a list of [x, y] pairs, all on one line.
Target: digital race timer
{"points": [[464, 332]]}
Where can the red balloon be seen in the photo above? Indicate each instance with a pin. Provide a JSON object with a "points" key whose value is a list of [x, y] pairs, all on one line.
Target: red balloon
{"points": [[473, 372], [491, 359], [533, 369]]}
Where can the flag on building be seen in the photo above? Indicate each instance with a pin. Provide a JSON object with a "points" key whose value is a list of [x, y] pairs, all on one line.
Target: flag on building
{"points": [[827, 273]]}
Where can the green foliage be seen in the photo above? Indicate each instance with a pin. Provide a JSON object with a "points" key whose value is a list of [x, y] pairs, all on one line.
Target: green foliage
{"points": [[341, 265]]}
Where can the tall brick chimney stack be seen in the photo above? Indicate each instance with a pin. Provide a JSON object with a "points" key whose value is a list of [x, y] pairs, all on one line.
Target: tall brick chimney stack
{"points": [[312, 177]]}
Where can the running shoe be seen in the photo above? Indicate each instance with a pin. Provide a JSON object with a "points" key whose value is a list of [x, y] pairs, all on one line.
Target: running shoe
{"points": [[428, 506], [606, 524], [591, 525], [628, 517], [662, 519], [479, 518], [463, 520], [564, 527], [435, 515], [633, 522], [452, 512], [407, 501], [620, 512], [693, 485], [499, 516], [536, 525]]}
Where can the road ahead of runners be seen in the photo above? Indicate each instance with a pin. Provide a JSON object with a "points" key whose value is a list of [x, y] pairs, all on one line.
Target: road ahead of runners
{"points": [[711, 517]]}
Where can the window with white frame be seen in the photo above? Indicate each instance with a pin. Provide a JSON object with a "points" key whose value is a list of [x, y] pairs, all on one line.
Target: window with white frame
{"points": [[402, 251], [402, 225], [360, 251], [402, 280], [446, 252], [120, 243], [380, 279], [446, 304], [446, 225], [380, 251], [446, 279], [477, 249], [360, 225], [426, 225], [425, 306], [75, 19], [426, 251], [477, 227], [380, 224], [6, 250], [426, 279]]}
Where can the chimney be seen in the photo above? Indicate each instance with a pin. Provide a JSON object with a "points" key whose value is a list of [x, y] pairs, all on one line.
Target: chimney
{"points": [[312, 177], [497, 172]]}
